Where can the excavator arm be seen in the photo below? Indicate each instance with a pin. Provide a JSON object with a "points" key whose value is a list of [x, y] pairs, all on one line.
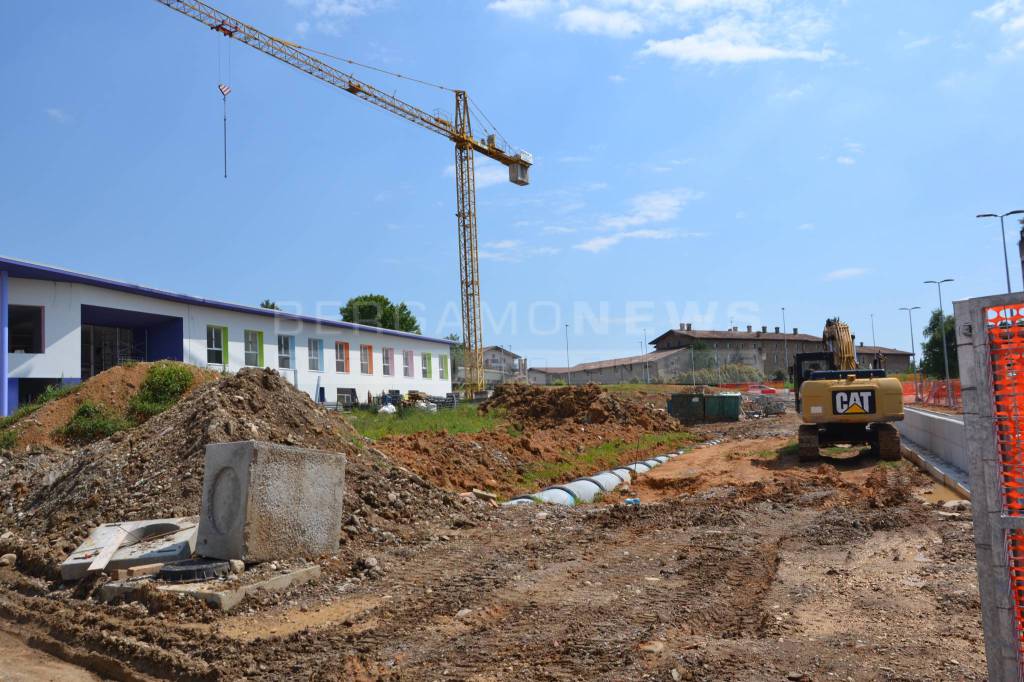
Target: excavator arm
{"points": [[839, 341]]}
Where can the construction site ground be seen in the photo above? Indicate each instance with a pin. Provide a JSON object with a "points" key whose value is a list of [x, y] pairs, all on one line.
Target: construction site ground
{"points": [[740, 563]]}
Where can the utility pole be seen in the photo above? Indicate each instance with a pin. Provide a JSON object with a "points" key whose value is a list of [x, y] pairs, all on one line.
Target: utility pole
{"points": [[647, 367], [873, 342], [785, 348], [693, 369], [942, 335], [568, 367]]}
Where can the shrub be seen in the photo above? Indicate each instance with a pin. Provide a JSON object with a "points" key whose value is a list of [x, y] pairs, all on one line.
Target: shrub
{"points": [[50, 393], [8, 439], [163, 386], [91, 422]]}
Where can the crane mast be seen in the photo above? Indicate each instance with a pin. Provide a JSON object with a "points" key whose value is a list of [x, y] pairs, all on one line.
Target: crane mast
{"points": [[458, 131]]}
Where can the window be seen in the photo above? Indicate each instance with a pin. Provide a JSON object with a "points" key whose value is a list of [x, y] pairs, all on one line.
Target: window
{"points": [[427, 369], [253, 348], [216, 345], [316, 355], [366, 359], [341, 357], [442, 365], [25, 334], [407, 363], [388, 361], [285, 351]]}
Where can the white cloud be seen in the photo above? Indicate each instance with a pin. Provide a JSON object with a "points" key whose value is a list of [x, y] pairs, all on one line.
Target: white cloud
{"points": [[855, 147], [717, 31], [598, 244], [487, 173], [302, 28], [504, 244], [844, 273], [514, 251], [522, 9], [652, 207], [573, 159], [1009, 14], [919, 43], [730, 41], [57, 115], [557, 229], [615, 24], [617, 78], [806, 227], [329, 13], [846, 160]]}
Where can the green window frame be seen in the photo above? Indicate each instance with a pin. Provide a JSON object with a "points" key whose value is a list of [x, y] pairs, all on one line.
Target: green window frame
{"points": [[425, 361], [442, 364], [216, 345], [253, 348]]}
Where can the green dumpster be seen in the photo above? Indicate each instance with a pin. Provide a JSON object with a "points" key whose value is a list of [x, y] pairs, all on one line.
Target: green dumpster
{"points": [[722, 407], [687, 407]]}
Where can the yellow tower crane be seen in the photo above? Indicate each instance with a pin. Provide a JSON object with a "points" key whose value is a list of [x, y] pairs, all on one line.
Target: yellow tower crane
{"points": [[458, 131]]}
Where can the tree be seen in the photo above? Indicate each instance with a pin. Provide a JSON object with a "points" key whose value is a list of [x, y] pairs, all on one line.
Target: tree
{"points": [[932, 362], [458, 352], [376, 310], [268, 304]]}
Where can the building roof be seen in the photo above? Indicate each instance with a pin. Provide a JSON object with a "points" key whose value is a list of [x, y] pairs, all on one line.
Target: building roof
{"points": [[502, 350], [730, 335], [29, 270], [605, 364], [872, 350]]}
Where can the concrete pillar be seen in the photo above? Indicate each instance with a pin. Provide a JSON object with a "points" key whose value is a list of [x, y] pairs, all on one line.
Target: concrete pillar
{"points": [[4, 350]]}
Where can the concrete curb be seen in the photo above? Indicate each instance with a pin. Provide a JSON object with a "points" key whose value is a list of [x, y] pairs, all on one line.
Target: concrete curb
{"points": [[944, 473]]}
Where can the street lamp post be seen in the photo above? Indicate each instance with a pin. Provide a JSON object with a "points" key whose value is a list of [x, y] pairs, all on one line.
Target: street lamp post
{"points": [[693, 368], [1002, 232], [873, 342], [942, 333], [568, 367], [913, 352]]}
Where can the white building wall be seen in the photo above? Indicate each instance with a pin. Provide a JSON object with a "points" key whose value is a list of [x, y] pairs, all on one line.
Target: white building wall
{"points": [[62, 339]]}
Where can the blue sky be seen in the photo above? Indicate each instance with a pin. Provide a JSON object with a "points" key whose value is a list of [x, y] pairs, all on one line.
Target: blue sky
{"points": [[701, 160]]}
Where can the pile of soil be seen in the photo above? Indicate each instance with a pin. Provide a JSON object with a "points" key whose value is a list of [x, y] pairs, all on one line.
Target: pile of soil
{"points": [[539, 406], [498, 460], [111, 389], [51, 500]]}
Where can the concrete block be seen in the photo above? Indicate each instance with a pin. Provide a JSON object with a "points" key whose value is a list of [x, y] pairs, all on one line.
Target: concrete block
{"points": [[123, 544], [263, 501]]}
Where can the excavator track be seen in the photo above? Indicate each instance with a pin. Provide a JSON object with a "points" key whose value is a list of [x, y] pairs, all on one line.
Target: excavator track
{"points": [[887, 442], [808, 447]]}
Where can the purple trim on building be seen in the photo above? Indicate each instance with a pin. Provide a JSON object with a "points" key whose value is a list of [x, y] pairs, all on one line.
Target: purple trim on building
{"points": [[5, 404], [27, 270]]}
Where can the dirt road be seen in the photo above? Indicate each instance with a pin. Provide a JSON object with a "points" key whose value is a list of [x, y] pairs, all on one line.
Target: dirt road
{"points": [[775, 571]]}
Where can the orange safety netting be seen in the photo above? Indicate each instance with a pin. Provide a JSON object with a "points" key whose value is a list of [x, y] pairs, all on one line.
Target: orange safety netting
{"points": [[1005, 328], [1015, 554]]}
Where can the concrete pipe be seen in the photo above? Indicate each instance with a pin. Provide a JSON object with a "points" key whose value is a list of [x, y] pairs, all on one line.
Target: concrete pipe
{"points": [[638, 468], [623, 473], [585, 490], [606, 480], [652, 463], [662, 458], [556, 496], [522, 499]]}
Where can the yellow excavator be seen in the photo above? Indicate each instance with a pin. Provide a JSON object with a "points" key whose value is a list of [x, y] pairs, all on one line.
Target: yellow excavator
{"points": [[843, 405]]}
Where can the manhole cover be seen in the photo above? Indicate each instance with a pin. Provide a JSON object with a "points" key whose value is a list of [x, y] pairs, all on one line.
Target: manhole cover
{"points": [[194, 570]]}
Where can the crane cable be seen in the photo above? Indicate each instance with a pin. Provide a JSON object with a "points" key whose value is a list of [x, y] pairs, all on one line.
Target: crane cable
{"points": [[489, 127]]}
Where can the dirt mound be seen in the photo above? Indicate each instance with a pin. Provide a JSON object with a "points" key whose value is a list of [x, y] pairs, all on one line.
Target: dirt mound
{"points": [[156, 469], [590, 404], [111, 390]]}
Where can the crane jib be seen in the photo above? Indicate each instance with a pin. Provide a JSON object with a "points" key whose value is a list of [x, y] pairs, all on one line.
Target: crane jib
{"points": [[459, 132]]}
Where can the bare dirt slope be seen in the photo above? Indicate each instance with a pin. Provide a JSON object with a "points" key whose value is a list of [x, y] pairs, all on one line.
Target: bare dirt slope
{"points": [[787, 572]]}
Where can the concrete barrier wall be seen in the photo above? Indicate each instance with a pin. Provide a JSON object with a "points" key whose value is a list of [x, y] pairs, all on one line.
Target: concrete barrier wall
{"points": [[938, 434]]}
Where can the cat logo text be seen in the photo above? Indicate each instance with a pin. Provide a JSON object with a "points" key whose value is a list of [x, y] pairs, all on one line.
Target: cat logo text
{"points": [[853, 402]]}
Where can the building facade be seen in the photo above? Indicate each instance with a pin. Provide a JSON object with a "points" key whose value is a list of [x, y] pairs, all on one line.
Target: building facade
{"points": [[60, 326]]}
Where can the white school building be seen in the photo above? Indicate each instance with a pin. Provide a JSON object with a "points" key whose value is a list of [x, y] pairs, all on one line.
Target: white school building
{"points": [[58, 326]]}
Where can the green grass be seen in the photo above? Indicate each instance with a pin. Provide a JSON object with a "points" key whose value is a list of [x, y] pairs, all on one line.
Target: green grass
{"points": [[462, 419], [8, 439], [163, 386], [92, 422], [50, 394], [603, 456]]}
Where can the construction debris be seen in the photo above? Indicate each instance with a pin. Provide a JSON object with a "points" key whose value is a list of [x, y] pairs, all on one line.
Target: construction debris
{"points": [[589, 404], [126, 544]]}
